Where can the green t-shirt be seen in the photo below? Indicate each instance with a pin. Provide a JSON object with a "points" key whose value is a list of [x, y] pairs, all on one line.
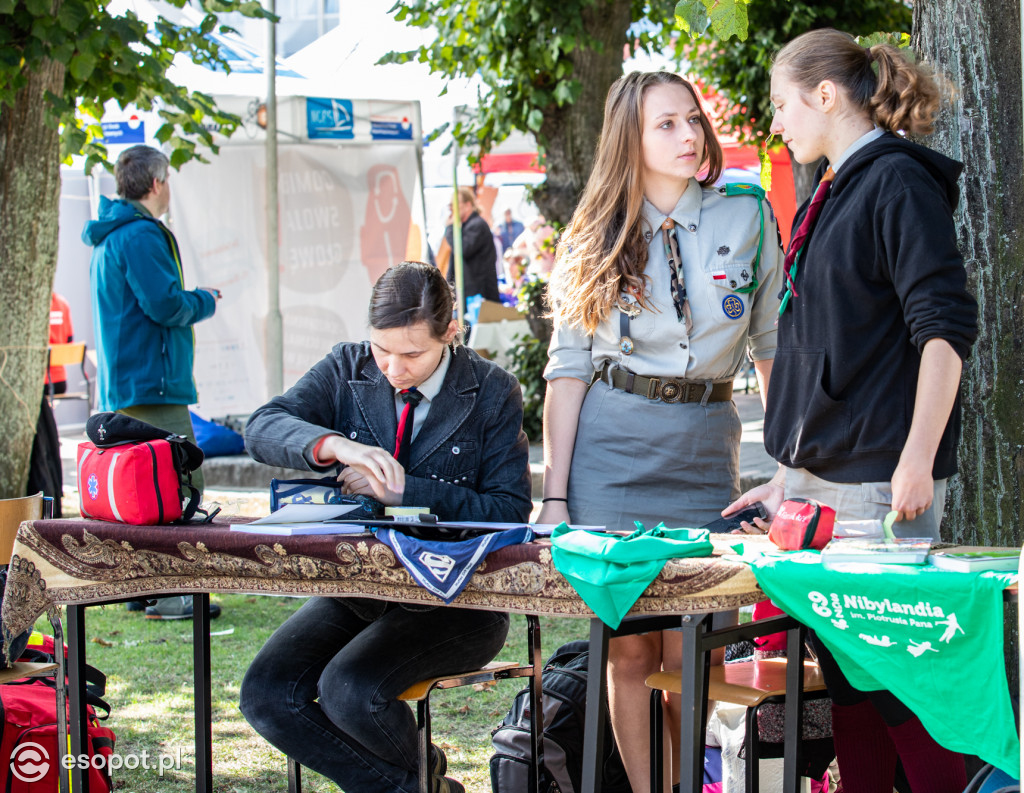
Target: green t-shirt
{"points": [[609, 571], [933, 638]]}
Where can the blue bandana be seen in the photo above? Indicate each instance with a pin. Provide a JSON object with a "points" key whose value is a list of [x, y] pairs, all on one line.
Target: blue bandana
{"points": [[444, 568]]}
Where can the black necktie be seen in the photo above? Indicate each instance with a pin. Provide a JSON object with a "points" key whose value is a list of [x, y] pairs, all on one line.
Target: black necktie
{"points": [[403, 438]]}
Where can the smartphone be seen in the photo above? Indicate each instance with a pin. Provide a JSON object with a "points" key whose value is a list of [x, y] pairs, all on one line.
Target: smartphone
{"points": [[733, 521]]}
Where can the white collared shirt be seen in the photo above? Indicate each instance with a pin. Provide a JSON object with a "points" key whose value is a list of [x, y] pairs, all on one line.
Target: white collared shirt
{"points": [[718, 238], [856, 146], [429, 388]]}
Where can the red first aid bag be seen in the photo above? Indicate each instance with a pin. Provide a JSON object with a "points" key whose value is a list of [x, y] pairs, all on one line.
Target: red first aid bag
{"points": [[135, 483], [29, 761], [802, 523]]}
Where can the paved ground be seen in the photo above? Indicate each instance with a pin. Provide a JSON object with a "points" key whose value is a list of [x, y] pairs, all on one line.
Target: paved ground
{"points": [[240, 484]]}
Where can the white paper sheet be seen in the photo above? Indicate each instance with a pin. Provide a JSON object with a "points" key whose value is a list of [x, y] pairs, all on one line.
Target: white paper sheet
{"points": [[305, 513]]}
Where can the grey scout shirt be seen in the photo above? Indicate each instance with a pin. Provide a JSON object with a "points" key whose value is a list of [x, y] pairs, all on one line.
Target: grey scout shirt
{"points": [[718, 238]]}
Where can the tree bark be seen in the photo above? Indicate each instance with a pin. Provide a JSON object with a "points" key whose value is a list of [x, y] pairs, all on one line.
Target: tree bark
{"points": [[29, 209], [572, 130], [976, 44]]}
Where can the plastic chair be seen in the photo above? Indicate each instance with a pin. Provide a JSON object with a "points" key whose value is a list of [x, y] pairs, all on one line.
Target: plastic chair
{"points": [[70, 354], [495, 670], [748, 683]]}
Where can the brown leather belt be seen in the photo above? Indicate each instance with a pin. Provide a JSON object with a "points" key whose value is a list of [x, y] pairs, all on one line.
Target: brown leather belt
{"points": [[667, 389]]}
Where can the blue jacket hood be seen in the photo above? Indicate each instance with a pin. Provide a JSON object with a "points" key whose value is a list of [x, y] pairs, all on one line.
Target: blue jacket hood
{"points": [[113, 215]]}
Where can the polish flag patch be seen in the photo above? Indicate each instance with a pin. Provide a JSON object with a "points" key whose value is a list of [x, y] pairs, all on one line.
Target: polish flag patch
{"points": [[718, 275]]}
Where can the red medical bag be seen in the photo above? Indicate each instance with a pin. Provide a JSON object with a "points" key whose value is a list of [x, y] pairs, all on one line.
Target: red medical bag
{"points": [[137, 483]]}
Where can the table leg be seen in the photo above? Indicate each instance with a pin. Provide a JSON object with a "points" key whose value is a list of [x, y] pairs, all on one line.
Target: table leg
{"points": [[63, 779], [794, 708], [594, 728], [202, 695], [76, 683], [693, 703], [536, 703]]}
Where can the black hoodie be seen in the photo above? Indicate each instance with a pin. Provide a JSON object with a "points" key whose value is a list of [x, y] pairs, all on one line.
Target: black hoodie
{"points": [[880, 275]]}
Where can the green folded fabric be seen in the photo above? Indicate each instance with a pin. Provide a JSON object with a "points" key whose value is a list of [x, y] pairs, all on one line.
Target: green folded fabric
{"points": [[931, 637], [610, 571]]}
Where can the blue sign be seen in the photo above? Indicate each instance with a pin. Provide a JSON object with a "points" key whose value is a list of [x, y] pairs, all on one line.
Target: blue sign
{"points": [[390, 129], [329, 118], [118, 132]]}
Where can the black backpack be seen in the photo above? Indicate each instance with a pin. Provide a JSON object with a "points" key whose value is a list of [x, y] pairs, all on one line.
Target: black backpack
{"points": [[564, 694]]}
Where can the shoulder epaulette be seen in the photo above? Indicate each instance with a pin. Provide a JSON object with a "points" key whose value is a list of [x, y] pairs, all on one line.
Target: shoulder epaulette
{"points": [[742, 188]]}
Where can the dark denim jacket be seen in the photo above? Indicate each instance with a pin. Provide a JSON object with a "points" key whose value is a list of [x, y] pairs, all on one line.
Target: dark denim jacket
{"points": [[469, 461]]}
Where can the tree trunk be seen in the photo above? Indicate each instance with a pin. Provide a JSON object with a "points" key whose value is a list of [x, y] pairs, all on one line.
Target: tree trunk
{"points": [[29, 208], [976, 44], [572, 130]]}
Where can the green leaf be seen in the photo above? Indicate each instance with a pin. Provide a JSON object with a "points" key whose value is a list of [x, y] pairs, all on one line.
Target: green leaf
{"points": [[180, 156], [729, 18], [82, 66], [535, 120], [692, 17], [71, 14], [899, 40], [766, 164], [7, 6]]}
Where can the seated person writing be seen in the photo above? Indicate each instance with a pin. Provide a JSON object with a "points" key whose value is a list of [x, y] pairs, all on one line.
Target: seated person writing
{"points": [[323, 689]]}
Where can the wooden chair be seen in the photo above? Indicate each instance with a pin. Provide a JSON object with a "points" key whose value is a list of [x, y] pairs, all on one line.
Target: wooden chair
{"points": [[12, 512], [22, 669], [495, 670], [70, 354], [748, 683]]}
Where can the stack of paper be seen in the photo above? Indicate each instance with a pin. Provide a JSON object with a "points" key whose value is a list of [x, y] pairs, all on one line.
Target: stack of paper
{"points": [[295, 519]]}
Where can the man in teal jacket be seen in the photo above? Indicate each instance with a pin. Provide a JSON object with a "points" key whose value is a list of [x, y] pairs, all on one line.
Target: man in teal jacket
{"points": [[142, 314]]}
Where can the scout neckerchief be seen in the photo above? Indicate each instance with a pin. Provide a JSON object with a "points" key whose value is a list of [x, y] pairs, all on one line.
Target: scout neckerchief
{"points": [[676, 278], [444, 568], [799, 241], [677, 283], [610, 572]]}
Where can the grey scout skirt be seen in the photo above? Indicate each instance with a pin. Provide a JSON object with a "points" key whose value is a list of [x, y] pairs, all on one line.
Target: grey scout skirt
{"points": [[651, 461]]}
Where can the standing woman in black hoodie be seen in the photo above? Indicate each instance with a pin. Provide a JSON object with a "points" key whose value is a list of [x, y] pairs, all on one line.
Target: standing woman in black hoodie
{"points": [[863, 413]]}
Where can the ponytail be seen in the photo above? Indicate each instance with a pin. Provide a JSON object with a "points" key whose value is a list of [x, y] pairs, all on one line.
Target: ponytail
{"points": [[906, 95], [882, 82]]}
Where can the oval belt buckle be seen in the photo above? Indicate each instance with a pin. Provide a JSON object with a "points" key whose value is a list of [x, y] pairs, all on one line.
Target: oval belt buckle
{"points": [[626, 345], [671, 391]]}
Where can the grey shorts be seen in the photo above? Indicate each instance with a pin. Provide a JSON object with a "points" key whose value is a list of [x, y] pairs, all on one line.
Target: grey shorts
{"points": [[865, 501]]}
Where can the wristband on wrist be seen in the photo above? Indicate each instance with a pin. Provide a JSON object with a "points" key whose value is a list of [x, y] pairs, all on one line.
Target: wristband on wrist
{"points": [[546, 500]]}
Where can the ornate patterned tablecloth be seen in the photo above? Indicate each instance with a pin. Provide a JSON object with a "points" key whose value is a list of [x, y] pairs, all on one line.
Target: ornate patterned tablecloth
{"points": [[77, 562]]}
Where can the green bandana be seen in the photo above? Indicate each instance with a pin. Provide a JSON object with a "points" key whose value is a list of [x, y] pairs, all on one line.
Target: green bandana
{"points": [[610, 571], [931, 637]]}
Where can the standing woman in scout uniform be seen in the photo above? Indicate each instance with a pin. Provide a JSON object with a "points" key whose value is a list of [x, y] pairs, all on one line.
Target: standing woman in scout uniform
{"points": [[863, 413], [663, 285]]}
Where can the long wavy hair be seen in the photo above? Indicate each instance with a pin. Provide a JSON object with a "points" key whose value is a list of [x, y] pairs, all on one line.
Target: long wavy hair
{"points": [[603, 251], [881, 82]]}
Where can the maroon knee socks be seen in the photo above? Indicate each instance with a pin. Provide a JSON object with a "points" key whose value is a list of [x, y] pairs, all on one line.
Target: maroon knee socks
{"points": [[867, 749], [866, 754], [930, 768]]}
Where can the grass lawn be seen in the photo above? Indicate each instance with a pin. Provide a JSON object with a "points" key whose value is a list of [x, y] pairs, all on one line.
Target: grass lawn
{"points": [[148, 664]]}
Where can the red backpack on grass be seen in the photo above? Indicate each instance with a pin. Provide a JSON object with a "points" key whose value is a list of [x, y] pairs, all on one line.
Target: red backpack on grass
{"points": [[29, 760]]}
